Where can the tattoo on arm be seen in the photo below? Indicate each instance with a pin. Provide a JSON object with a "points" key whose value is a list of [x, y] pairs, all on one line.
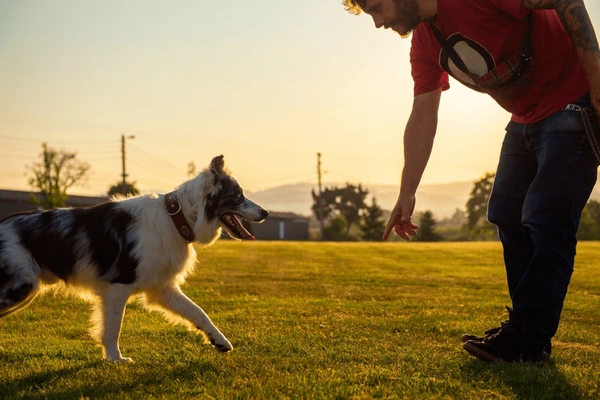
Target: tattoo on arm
{"points": [[575, 19]]}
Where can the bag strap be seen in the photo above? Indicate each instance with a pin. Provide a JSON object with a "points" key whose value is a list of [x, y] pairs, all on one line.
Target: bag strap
{"points": [[449, 49], [526, 44], [525, 49]]}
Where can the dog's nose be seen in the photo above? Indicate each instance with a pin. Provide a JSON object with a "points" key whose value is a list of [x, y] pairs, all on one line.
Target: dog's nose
{"points": [[264, 213]]}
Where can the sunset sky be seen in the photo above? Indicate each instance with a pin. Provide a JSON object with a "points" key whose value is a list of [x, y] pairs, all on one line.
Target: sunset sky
{"points": [[267, 83]]}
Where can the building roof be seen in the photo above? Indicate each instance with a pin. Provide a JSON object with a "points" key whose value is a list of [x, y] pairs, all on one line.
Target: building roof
{"points": [[18, 196], [287, 216]]}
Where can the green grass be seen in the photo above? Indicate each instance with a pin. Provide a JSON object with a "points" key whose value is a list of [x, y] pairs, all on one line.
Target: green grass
{"points": [[312, 320]]}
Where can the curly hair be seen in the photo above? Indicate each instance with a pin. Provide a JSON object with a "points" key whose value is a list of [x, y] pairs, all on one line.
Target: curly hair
{"points": [[353, 6]]}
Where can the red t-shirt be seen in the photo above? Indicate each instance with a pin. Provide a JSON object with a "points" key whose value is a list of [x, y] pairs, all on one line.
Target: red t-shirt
{"points": [[485, 33]]}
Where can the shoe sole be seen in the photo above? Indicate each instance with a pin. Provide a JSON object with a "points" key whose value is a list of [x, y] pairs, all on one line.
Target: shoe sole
{"points": [[480, 354]]}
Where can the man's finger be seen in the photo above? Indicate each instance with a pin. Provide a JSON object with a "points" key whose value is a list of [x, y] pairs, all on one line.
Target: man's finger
{"points": [[403, 235], [401, 232], [388, 229], [391, 222]]}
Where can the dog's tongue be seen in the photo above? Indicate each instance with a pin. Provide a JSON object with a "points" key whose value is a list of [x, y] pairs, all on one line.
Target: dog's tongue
{"points": [[245, 234]]}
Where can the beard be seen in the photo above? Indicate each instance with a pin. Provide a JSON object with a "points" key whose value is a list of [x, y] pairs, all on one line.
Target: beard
{"points": [[408, 15]]}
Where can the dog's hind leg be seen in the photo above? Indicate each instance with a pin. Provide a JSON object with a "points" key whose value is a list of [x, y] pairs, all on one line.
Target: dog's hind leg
{"points": [[108, 318], [173, 300]]}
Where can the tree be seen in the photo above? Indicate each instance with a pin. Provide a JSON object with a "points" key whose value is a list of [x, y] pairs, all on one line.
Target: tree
{"points": [[458, 218], [426, 232], [324, 204], [477, 206], [454, 228], [336, 228], [348, 202], [589, 225], [130, 189], [57, 172], [372, 224]]}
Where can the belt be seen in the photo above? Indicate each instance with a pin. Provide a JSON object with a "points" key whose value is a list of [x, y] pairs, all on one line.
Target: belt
{"points": [[573, 107]]}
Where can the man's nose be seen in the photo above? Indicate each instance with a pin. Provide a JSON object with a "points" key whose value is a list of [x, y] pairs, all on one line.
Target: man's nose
{"points": [[378, 22]]}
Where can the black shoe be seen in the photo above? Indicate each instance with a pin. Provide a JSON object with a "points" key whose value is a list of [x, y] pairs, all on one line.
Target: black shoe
{"points": [[492, 331], [508, 344]]}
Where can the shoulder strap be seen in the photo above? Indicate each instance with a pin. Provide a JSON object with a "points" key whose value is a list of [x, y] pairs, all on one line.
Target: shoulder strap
{"points": [[526, 45], [449, 49], [526, 48]]}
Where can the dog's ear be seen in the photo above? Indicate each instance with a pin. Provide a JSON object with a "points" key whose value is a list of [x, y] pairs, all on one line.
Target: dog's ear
{"points": [[217, 164]]}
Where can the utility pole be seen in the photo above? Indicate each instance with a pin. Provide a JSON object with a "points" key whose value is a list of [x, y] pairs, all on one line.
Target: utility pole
{"points": [[124, 175], [320, 203]]}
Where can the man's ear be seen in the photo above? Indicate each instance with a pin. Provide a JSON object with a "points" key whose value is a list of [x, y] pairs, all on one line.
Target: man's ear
{"points": [[217, 164]]}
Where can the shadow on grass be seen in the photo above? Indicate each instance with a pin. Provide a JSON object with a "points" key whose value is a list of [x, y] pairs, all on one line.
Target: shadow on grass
{"points": [[525, 381], [47, 385]]}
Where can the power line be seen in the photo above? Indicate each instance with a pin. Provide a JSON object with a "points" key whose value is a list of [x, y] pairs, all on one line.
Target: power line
{"points": [[163, 162], [154, 169], [46, 140], [101, 155], [15, 154]]}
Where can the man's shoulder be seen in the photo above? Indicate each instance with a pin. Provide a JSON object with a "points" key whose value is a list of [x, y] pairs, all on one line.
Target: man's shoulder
{"points": [[422, 35], [423, 30]]}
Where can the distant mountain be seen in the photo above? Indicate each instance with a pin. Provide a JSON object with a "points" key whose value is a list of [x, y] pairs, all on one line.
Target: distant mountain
{"points": [[441, 199], [294, 198]]}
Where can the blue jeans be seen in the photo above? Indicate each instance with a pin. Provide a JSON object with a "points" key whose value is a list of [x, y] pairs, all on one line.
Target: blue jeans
{"points": [[545, 175]]}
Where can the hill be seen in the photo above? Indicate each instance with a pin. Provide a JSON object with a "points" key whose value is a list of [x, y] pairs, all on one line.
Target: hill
{"points": [[441, 199]]}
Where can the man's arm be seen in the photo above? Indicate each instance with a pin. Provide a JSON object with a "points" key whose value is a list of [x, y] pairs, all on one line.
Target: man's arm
{"points": [[576, 21], [418, 142]]}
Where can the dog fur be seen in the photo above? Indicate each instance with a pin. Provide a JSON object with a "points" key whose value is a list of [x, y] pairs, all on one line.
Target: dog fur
{"points": [[122, 248]]}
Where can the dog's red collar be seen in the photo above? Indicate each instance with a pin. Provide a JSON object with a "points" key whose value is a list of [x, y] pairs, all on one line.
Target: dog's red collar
{"points": [[173, 209]]}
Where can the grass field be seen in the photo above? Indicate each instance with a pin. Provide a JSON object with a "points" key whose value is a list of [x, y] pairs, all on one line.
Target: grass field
{"points": [[314, 320]]}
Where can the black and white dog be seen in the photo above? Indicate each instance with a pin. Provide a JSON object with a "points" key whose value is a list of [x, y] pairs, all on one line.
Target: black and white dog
{"points": [[129, 246]]}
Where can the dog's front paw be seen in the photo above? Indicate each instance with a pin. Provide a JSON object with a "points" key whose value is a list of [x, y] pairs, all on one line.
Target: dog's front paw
{"points": [[119, 360], [223, 345]]}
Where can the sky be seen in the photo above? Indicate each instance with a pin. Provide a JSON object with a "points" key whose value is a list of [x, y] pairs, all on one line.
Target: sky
{"points": [[267, 83]]}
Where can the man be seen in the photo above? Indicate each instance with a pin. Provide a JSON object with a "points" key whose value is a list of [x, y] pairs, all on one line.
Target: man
{"points": [[539, 59]]}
